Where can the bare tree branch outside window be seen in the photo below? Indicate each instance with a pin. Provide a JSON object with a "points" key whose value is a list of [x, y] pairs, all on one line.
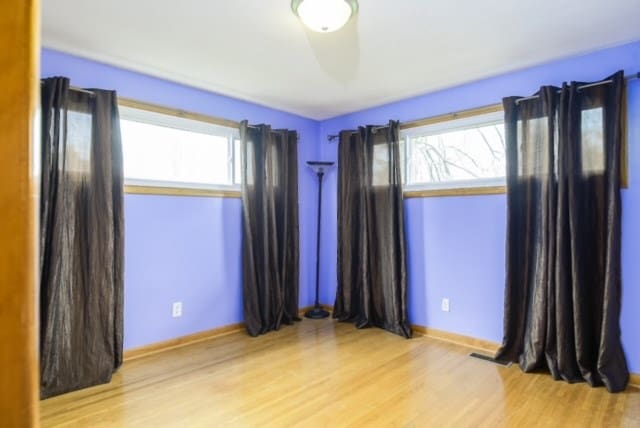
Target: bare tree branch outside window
{"points": [[457, 155]]}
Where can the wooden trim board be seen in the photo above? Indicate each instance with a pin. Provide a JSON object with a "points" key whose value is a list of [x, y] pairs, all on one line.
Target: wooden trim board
{"points": [[458, 339], [170, 111], [483, 345], [19, 196], [634, 380], [181, 191], [461, 191], [493, 108], [179, 342]]}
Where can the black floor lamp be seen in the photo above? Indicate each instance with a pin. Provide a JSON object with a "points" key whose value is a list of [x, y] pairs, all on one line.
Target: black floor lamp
{"points": [[319, 168]]}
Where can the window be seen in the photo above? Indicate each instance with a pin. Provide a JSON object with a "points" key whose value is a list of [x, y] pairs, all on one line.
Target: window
{"points": [[455, 154], [168, 151]]}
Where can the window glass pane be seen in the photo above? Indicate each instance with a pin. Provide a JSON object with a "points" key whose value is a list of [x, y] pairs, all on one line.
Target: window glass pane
{"points": [[533, 153], [163, 150], [380, 173], [593, 157], [237, 172], [463, 155], [78, 150]]}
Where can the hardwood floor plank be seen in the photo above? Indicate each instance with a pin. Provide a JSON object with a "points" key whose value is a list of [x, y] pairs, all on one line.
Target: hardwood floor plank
{"points": [[323, 373]]}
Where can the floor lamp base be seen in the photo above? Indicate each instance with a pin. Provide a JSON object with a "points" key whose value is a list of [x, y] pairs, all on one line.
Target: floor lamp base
{"points": [[316, 313]]}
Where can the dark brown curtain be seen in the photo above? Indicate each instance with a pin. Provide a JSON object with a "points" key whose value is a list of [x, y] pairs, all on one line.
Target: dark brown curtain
{"points": [[562, 298], [81, 238], [372, 258], [270, 227]]}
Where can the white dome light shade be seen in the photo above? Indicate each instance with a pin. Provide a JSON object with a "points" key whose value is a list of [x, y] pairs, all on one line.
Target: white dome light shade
{"points": [[324, 16]]}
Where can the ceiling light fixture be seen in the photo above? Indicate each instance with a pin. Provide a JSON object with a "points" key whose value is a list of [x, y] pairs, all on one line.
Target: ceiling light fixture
{"points": [[324, 16]]}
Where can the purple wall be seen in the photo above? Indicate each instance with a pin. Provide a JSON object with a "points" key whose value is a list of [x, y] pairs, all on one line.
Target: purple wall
{"points": [[188, 248], [631, 229], [184, 249], [457, 244]]}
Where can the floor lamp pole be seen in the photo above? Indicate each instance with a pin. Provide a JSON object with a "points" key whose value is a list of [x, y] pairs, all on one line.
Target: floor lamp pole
{"points": [[317, 312]]}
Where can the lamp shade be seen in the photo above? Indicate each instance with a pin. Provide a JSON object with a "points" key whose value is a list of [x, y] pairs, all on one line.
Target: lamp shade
{"points": [[324, 16], [320, 167]]}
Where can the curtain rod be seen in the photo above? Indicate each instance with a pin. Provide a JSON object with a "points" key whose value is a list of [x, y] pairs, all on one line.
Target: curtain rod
{"points": [[76, 89], [140, 106], [332, 137], [476, 111], [588, 85], [84, 91], [460, 114], [374, 129]]}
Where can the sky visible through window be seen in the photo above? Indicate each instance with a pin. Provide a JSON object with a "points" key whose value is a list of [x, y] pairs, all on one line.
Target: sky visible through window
{"points": [[159, 153]]}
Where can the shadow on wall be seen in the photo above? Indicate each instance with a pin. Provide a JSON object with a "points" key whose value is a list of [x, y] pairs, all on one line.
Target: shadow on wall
{"points": [[417, 270], [230, 233], [338, 53]]}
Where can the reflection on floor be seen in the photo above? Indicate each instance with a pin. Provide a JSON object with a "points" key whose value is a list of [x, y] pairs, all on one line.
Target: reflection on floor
{"points": [[322, 373]]}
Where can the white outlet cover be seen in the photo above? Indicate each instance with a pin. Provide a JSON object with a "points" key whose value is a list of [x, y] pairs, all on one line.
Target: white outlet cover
{"points": [[445, 305], [177, 309]]}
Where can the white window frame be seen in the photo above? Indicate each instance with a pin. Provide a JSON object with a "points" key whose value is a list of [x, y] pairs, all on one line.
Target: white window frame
{"points": [[481, 185], [187, 122]]}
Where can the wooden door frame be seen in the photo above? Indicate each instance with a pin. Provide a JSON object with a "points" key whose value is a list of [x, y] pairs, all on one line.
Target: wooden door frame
{"points": [[19, 69]]}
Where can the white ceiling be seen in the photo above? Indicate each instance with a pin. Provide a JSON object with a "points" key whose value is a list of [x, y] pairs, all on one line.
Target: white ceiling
{"points": [[257, 50]]}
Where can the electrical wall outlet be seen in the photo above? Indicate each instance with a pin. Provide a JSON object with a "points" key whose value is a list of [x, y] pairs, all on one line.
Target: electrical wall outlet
{"points": [[445, 305], [177, 309]]}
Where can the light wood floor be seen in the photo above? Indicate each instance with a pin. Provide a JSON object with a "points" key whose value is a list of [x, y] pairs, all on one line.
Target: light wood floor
{"points": [[320, 373]]}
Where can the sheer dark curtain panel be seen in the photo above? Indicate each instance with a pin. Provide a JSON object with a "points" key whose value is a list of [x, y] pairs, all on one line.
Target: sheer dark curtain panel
{"points": [[372, 255], [270, 227], [563, 286], [81, 238]]}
